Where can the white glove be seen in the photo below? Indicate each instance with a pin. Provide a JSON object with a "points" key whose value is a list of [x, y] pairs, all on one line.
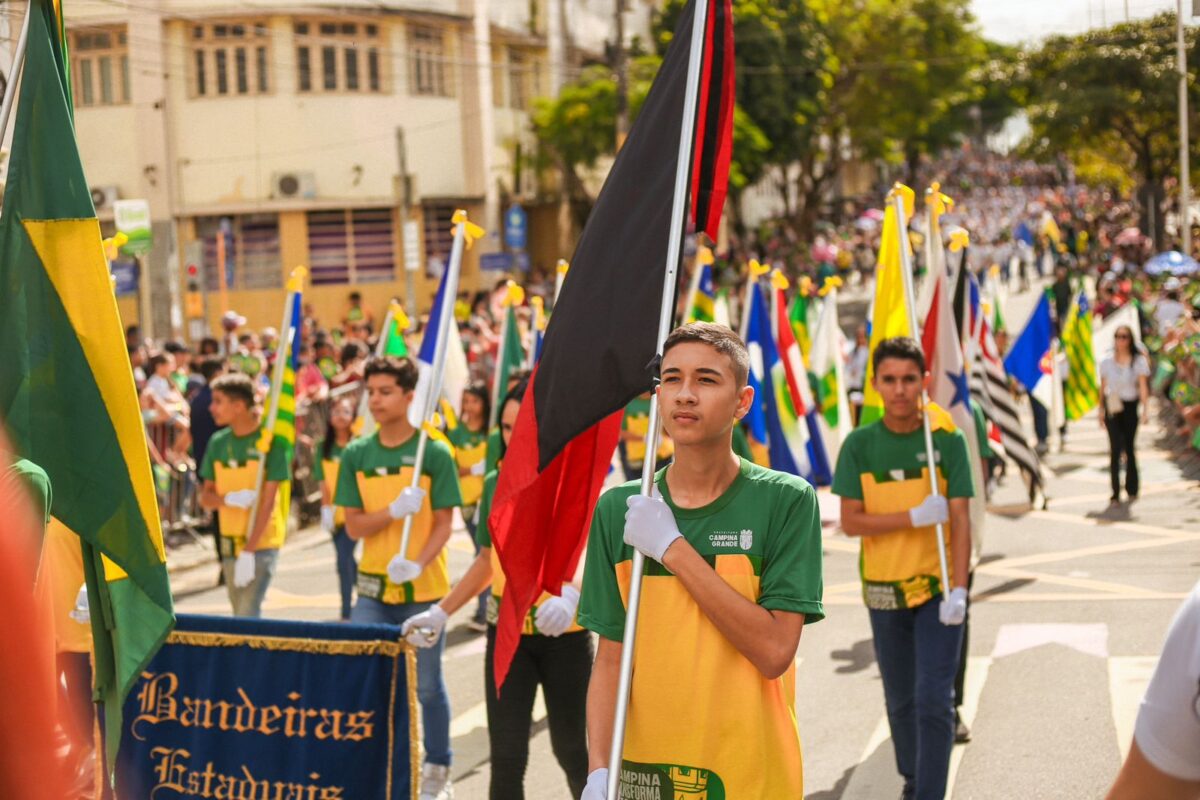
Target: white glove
{"points": [[243, 569], [407, 502], [81, 613], [649, 525], [479, 469], [327, 518], [422, 630], [953, 609], [597, 785], [556, 614], [241, 498], [401, 570], [933, 510]]}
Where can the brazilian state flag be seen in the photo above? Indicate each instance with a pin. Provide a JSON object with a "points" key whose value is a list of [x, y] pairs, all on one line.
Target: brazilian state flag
{"points": [[66, 389]]}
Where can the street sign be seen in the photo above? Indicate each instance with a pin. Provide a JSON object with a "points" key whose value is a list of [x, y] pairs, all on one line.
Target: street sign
{"points": [[412, 245], [516, 228], [132, 218], [125, 277], [496, 262]]}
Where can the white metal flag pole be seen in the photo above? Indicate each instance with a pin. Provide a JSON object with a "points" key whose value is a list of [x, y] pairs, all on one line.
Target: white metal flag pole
{"points": [[930, 455], [287, 338], [445, 320], [665, 315], [364, 413], [14, 72], [560, 275]]}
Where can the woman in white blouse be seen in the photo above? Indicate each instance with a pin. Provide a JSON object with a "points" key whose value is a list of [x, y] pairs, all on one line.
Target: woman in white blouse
{"points": [[1124, 387]]}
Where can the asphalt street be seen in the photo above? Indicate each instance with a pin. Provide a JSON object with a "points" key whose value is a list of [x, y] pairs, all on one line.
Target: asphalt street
{"points": [[1069, 609]]}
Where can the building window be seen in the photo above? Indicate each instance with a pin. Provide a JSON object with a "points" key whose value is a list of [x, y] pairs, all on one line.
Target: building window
{"points": [[230, 58], [252, 259], [427, 65], [347, 56], [355, 245], [520, 79], [100, 66], [439, 237]]}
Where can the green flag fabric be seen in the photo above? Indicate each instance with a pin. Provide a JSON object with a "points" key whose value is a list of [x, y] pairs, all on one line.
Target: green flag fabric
{"points": [[513, 356], [67, 395], [395, 344]]}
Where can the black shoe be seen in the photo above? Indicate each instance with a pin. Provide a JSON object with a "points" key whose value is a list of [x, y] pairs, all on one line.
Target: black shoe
{"points": [[962, 734]]}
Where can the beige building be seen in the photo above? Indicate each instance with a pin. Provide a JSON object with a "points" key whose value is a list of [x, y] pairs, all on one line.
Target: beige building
{"points": [[308, 134]]}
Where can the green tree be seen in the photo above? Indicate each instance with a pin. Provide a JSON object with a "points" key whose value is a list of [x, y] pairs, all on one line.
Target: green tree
{"points": [[1108, 99]]}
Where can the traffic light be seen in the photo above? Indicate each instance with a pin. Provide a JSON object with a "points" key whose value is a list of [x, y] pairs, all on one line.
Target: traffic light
{"points": [[193, 299]]}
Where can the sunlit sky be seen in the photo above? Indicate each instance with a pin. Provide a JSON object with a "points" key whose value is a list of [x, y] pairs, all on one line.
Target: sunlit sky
{"points": [[1016, 21]]}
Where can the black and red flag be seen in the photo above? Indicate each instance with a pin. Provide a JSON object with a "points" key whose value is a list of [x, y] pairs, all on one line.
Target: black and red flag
{"points": [[599, 350]]}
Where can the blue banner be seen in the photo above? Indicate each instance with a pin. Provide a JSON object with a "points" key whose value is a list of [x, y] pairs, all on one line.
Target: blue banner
{"points": [[272, 710]]}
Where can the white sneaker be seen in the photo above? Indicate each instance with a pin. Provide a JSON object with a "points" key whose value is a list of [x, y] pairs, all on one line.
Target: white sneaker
{"points": [[435, 783]]}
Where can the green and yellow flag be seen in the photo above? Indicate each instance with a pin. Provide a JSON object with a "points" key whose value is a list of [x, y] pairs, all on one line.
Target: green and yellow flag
{"points": [[889, 316], [66, 388], [1082, 392]]}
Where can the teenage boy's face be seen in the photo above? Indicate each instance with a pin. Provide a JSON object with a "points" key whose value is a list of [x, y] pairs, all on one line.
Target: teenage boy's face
{"points": [[386, 399], [699, 397], [226, 409], [899, 382]]}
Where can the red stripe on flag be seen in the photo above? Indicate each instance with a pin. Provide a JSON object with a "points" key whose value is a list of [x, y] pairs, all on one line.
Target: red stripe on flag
{"points": [[540, 520], [789, 352], [712, 152], [929, 334]]}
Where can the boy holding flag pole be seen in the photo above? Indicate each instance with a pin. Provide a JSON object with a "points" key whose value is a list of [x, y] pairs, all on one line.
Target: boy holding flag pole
{"points": [[894, 477], [399, 491], [250, 491]]}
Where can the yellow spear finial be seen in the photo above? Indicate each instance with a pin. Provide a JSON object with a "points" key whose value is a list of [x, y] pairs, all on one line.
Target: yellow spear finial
{"points": [[471, 231], [779, 280], [514, 294], [398, 316], [295, 282], [831, 282], [907, 195], [757, 270]]}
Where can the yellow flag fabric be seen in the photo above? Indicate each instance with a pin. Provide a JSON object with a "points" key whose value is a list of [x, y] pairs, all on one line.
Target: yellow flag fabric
{"points": [[889, 316]]}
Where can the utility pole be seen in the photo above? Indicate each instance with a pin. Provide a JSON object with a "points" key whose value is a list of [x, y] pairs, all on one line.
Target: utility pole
{"points": [[621, 67], [1185, 183]]}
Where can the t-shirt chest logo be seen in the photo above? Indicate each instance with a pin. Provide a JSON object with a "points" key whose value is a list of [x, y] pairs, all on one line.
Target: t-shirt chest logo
{"points": [[743, 539]]}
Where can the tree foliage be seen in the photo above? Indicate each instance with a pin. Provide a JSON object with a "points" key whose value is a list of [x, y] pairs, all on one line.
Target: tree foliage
{"points": [[818, 82], [1108, 99]]}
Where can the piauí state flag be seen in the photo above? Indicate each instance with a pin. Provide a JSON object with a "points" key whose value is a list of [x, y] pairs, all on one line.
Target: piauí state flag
{"points": [[67, 395], [889, 315], [827, 368], [456, 375]]}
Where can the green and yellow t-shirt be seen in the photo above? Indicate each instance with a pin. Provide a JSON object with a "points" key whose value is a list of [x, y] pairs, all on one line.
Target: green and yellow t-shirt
{"points": [[371, 476], [702, 718], [888, 472], [483, 537], [232, 463], [470, 448], [325, 470]]}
